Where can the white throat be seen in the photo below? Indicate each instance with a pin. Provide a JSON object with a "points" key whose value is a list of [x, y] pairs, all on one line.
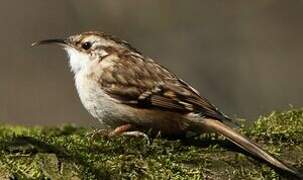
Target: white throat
{"points": [[77, 60]]}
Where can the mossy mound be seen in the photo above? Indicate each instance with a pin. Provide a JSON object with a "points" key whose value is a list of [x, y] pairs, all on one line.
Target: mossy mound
{"points": [[68, 153]]}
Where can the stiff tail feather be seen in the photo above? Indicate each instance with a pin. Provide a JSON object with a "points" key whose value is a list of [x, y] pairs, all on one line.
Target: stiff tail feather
{"points": [[247, 145]]}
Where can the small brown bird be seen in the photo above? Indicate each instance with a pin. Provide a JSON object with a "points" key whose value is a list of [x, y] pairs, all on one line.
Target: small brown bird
{"points": [[129, 92]]}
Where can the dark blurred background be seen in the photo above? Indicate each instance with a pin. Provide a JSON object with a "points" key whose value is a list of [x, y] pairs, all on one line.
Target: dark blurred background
{"points": [[245, 56]]}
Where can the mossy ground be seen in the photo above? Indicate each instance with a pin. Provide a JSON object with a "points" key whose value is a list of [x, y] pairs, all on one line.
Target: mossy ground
{"points": [[68, 153]]}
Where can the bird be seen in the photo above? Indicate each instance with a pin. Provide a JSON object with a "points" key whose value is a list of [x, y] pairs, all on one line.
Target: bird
{"points": [[129, 92]]}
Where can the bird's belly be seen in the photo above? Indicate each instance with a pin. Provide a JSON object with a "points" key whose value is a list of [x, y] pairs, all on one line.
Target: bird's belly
{"points": [[113, 114], [93, 98]]}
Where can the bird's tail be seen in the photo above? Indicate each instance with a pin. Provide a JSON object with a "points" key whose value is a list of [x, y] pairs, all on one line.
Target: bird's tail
{"points": [[247, 145]]}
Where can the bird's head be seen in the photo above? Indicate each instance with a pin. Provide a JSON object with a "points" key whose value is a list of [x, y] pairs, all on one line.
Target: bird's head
{"points": [[87, 47]]}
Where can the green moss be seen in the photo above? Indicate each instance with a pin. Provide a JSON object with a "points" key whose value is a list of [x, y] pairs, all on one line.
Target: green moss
{"points": [[280, 127], [68, 153]]}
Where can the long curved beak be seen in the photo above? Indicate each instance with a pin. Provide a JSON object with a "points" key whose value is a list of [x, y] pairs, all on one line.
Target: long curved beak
{"points": [[61, 42]]}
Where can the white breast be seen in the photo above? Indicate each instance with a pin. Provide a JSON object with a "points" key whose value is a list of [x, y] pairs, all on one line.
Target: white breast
{"points": [[93, 98]]}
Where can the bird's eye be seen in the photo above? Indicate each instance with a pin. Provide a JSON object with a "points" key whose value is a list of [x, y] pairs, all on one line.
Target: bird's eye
{"points": [[86, 45]]}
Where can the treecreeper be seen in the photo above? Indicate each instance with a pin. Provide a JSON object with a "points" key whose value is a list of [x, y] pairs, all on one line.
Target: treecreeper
{"points": [[129, 93]]}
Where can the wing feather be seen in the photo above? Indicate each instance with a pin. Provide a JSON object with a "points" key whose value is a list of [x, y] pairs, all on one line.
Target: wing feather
{"points": [[145, 84]]}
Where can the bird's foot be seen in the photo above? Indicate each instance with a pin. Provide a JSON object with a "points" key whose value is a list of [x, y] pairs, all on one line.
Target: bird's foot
{"points": [[137, 134], [123, 130], [119, 130]]}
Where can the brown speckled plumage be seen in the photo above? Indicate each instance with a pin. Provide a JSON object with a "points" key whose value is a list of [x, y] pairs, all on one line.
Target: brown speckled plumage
{"points": [[146, 84]]}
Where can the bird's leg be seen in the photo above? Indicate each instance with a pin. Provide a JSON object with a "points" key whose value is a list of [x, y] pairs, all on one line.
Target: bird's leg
{"points": [[119, 130], [108, 133], [123, 130]]}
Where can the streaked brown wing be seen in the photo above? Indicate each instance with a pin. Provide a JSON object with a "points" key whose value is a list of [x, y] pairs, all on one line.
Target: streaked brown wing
{"points": [[145, 84]]}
